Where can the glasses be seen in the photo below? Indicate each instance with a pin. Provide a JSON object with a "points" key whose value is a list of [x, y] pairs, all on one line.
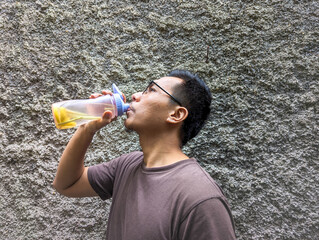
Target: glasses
{"points": [[154, 83]]}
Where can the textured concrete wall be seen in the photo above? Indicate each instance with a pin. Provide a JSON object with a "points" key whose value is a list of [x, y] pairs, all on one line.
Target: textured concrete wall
{"points": [[261, 141]]}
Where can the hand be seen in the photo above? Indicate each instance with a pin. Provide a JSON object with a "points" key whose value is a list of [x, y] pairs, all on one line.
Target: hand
{"points": [[105, 92], [107, 117]]}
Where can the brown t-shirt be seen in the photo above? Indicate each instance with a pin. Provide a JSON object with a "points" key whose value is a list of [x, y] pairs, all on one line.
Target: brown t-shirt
{"points": [[177, 201]]}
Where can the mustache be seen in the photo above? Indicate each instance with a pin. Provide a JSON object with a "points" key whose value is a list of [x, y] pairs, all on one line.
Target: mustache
{"points": [[131, 108]]}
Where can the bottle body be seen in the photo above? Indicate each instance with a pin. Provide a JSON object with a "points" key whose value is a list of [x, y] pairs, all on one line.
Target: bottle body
{"points": [[73, 113]]}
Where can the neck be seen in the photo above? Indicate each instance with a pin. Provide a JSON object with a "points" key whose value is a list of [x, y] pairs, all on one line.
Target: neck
{"points": [[161, 150]]}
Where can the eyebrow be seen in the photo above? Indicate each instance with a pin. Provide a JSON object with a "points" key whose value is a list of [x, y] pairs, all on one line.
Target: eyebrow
{"points": [[154, 83]]}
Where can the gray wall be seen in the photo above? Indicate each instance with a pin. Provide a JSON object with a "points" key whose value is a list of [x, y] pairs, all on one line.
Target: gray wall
{"points": [[261, 141]]}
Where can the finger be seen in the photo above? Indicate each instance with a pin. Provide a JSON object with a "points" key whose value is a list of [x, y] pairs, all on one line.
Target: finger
{"points": [[102, 122], [107, 92], [95, 95], [106, 118], [107, 115]]}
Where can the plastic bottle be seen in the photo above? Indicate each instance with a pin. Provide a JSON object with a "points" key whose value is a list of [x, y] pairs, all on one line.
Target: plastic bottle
{"points": [[73, 113]]}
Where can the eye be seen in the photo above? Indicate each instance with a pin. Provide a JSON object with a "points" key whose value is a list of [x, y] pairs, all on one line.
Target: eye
{"points": [[146, 91], [150, 88]]}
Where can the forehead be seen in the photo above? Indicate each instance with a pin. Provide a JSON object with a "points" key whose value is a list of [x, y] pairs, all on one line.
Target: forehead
{"points": [[168, 82]]}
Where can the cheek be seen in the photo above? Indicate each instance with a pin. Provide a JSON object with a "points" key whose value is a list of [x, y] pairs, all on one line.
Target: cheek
{"points": [[159, 113], [153, 108], [150, 109], [157, 108]]}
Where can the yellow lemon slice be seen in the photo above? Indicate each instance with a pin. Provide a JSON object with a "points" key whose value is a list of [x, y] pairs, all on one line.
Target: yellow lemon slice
{"points": [[62, 118]]}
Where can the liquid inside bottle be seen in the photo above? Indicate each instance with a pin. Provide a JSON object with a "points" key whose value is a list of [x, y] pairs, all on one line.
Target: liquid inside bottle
{"points": [[71, 116], [72, 113]]}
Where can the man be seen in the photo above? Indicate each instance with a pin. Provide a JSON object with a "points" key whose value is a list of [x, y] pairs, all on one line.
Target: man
{"points": [[159, 193]]}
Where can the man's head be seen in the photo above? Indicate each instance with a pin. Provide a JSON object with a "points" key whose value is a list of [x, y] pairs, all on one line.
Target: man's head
{"points": [[179, 101], [195, 96]]}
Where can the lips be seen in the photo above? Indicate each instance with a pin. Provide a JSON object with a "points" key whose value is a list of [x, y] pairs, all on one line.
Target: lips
{"points": [[130, 109]]}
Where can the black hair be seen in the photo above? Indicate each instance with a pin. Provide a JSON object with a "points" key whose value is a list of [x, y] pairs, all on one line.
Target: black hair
{"points": [[194, 95]]}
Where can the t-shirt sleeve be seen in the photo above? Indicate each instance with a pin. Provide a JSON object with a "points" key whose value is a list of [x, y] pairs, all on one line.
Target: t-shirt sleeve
{"points": [[210, 219], [102, 176]]}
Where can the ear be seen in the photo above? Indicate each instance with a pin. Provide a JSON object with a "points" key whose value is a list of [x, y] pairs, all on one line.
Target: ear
{"points": [[179, 114]]}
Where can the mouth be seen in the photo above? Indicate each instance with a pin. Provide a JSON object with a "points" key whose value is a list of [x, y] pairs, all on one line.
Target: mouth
{"points": [[130, 109]]}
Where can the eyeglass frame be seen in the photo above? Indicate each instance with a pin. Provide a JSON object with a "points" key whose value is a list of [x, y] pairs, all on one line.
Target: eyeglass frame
{"points": [[173, 98]]}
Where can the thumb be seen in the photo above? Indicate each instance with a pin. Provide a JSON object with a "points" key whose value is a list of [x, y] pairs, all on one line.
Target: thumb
{"points": [[96, 125], [107, 116]]}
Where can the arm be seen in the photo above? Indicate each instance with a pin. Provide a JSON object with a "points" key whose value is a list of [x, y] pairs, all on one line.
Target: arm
{"points": [[71, 177]]}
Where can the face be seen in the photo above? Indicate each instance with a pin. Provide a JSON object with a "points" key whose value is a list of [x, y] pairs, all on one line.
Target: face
{"points": [[150, 109]]}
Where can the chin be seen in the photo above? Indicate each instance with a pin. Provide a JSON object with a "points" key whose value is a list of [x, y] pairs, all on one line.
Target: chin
{"points": [[131, 125], [127, 124], [128, 127], [128, 130]]}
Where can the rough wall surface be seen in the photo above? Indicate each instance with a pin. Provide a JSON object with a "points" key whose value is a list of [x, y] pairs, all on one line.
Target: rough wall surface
{"points": [[260, 143]]}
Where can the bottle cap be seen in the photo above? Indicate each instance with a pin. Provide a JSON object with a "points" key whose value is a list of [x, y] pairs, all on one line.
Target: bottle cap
{"points": [[119, 97]]}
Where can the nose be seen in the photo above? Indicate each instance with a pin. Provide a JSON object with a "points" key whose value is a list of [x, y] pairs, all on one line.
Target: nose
{"points": [[136, 97]]}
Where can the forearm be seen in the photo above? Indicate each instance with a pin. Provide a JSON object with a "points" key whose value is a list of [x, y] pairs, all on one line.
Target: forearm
{"points": [[71, 165]]}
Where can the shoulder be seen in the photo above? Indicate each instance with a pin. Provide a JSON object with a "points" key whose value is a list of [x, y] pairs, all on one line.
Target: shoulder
{"points": [[131, 157], [199, 197], [118, 164], [104, 176], [130, 160], [126, 158], [197, 182], [195, 186]]}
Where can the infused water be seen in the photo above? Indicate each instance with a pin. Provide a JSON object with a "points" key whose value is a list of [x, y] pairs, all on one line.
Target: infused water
{"points": [[65, 118], [72, 113]]}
